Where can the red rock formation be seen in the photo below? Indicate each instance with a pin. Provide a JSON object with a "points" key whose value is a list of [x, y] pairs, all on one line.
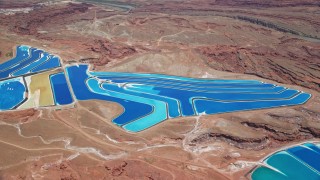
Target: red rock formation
{"points": [[108, 51], [112, 50], [22, 116], [280, 64], [266, 3], [27, 23], [4, 4]]}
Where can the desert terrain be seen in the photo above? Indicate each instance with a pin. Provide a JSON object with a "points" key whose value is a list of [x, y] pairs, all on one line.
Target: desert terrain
{"points": [[273, 41]]}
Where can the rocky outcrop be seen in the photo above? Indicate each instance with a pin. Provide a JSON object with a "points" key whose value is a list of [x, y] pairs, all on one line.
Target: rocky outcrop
{"points": [[274, 26], [266, 3], [243, 143], [262, 130], [108, 51], [28, 23], [22, 116], [4, 4], [112, 50], [239, 10], [280, 64]]}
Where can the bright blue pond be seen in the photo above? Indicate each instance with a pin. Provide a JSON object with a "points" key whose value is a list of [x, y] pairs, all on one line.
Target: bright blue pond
{"points": [[148, 99], [51, 63], [156, 87], [299, 162], [28, 60], [172, 82], [311, 157], [60, 89], [313, 147], [158, 114], [27, 69], [35, 55], [132, 110], [172, 96], [173, 104], [11, 93], [214, 107], [22, 53], [185, 97], [199, 87], [167, 77]]}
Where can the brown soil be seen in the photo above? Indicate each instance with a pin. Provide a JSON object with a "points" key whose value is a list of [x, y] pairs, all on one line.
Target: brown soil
{"points": [[272, 41]]}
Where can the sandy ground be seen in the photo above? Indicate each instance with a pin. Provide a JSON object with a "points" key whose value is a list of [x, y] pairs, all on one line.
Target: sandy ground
{"points": [[39, 90], [190, 39]]}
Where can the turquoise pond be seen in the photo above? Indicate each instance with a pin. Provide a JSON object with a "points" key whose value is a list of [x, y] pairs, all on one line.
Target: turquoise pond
{"points": [[147, 99], [295, 163]]}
